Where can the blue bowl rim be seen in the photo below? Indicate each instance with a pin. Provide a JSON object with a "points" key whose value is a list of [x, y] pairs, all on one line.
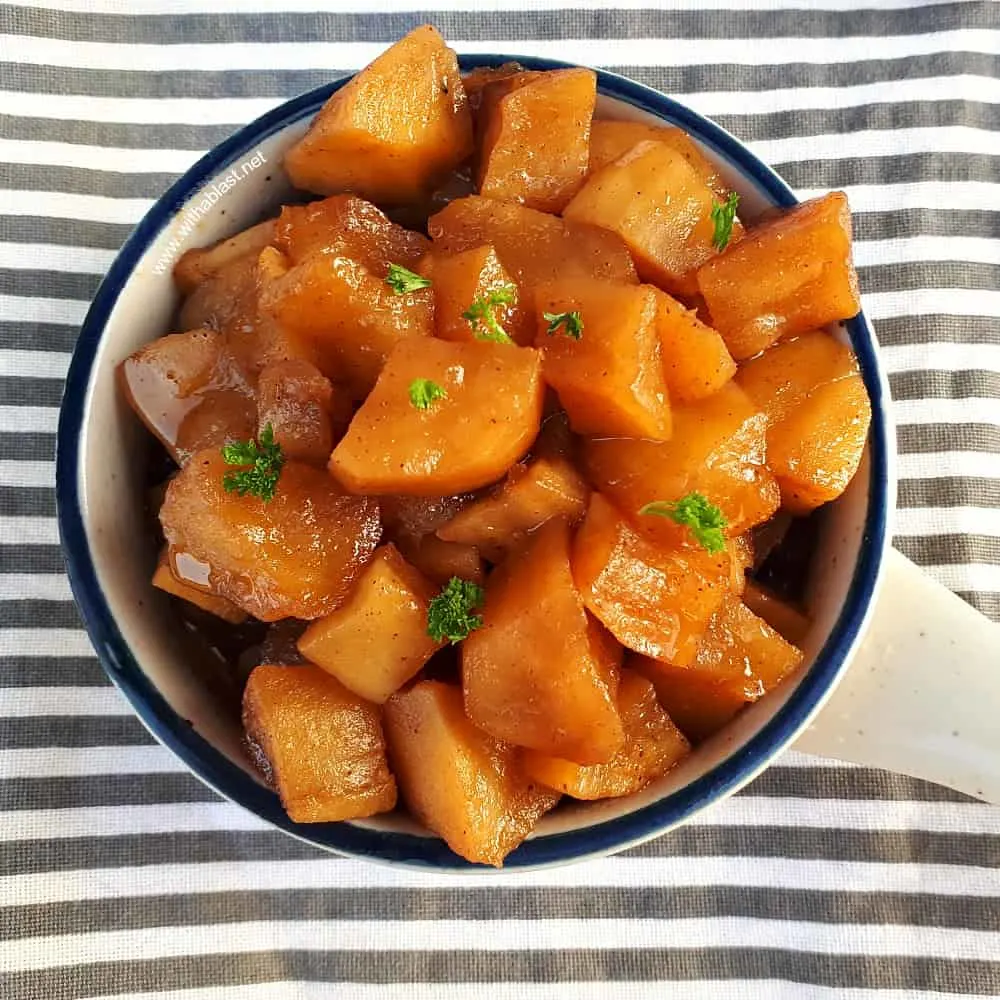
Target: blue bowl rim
{"points": [[360, 841]]}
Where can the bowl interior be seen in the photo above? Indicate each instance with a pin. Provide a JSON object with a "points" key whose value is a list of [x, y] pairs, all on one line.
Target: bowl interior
{"points": [[163, 669]]}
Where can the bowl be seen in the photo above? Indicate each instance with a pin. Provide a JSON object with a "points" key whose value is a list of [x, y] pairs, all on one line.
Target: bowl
{"points": [[101, 449]]}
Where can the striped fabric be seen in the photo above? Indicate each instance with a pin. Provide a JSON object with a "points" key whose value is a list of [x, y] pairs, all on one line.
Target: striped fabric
{"points": [[122, 876]]}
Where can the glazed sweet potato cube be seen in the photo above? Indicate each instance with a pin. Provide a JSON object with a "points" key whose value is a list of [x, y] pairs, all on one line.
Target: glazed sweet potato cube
{"points": [[222, 416], [296, 399], [610, 140], [164, 580], [439, 560], [653, 598], [196, 266], [789, 275], [536, 139], [696, 361], [741, 554], [377, 639], [533, 247], [352, 316], [462, 278], [393, 130], [532, 494], [225, 299], [485, 421], [789, 621], [320, 745], [479, 78], [467, 787], [717, 449], [653, 745], [406, 516], [345, 225], [294, 556], [532, 674], [608, 374], [660, 206]]}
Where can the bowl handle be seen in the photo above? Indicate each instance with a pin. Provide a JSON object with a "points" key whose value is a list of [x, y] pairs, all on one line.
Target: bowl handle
{"points": [[922, 694]]}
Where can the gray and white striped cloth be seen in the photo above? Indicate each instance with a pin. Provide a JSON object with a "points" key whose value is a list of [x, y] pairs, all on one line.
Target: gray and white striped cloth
{"points": [[122, 876]]}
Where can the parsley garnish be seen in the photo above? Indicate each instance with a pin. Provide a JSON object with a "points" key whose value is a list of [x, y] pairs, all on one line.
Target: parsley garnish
{"points": [[571, 322], [449, 615], [483, 320], [423, 392], [723, 216], [261, 460], [401, 280], [699, 514]]}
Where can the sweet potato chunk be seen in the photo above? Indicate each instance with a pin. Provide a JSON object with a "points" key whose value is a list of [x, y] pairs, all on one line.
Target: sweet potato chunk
{"points": [[653, 745], [696, 361], [609, 379], [467, 787], [536, 139], [393, 130], [533, 247], [653, 599], [787, 620], [439, 560], [413, 516], [717, 449], [320, 746], [225, 299], [660, 206], [610, 140], [531, 674], [221, 416], [377, 639], [295, 556], [462, 278], [165, 580], [352, 316], [200, 264], [532, 494], [790, 275], [486, 421]]}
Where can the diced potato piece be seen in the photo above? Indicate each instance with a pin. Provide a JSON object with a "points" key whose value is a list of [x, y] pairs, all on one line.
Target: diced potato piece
{"points": [[461, 783], [653, 599], [461, 278], [536, 140], [610, 381], [164, 580], [531, 494], [353, 317], [717, 449], [295, 556], [653, 745], [697, 703], [696, 361], [393, 130], [439, 560], [660, 206], [221, 416], [533, 247], [377, 639], [818, 412], [531, 674], [321, 746], [789, 275], [297, 401], [486, 421], [786, 619], [610, 140], [345, 225], [196, 266]]}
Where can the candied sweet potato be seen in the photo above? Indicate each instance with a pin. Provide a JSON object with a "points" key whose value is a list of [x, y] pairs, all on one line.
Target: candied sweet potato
{"points": [[377, 639], [226, 298], [320, 745], [222, 415], [789, 275], [467, 787], [789, 621], [696, 361], [295, 556], [439, 560], [164, 580], [653, 745], [653, 598], [393, 130], [717, 449], [536, 139], [660, 206], [197, 265], [532, 674], [486, 421], [532, 494], [609, 378]]}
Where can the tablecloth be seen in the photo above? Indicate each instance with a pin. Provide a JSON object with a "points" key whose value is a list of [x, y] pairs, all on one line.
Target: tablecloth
{"points": [[121, 875]]}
